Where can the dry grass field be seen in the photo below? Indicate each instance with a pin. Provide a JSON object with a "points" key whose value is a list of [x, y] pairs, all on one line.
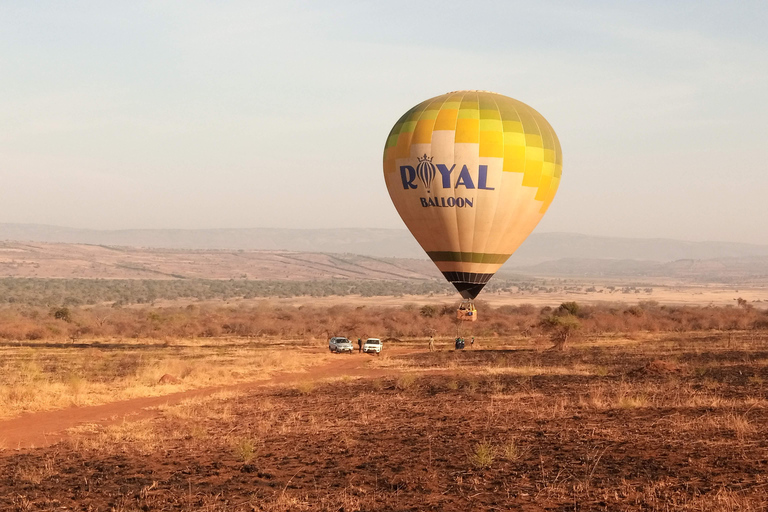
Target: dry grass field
{"points": [[46, 375], [640, 421]]}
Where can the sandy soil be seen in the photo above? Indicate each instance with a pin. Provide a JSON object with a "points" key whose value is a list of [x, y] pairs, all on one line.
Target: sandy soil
{"points": [[664, 294]]}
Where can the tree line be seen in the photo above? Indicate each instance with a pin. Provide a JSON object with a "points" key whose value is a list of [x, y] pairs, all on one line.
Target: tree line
{"points": [[267, 319], [82, 292], [122, 292]]}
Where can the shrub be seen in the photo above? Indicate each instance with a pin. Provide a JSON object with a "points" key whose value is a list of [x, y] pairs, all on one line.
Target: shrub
{"points": [[571, 308], [62, 314], [405, 381], [428, 311], [483, 455], [245, 450]]}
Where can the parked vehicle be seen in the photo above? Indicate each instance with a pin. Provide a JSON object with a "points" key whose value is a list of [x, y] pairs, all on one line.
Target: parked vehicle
{"points": [[372, 345], [340, 344]]}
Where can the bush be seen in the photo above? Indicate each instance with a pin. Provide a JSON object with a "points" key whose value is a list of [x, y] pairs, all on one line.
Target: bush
{"points": [[62, 314], [571, 308], [428, 311]]}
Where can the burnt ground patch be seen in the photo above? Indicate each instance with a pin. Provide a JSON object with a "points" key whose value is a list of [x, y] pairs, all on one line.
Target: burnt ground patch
{"points": [[480, 435]]}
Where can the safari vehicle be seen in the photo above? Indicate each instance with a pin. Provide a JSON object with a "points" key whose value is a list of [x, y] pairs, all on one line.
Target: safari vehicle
{"points": [[372, 345], [340, 344]]}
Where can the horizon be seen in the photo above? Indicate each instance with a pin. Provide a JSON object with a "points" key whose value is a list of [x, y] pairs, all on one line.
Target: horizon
{"points": [[351, 228]]}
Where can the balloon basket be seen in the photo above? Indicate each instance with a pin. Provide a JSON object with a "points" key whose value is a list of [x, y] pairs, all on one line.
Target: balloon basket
{"points": [[466, 312]]}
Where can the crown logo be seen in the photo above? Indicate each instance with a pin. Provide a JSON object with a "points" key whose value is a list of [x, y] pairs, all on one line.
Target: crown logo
{"points": [[426, 170]]}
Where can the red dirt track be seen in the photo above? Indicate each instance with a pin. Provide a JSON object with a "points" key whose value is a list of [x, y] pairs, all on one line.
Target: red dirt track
{"points": [[47, 428]]}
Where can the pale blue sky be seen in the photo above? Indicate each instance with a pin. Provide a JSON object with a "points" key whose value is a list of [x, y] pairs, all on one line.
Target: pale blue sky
{"points": [[274, 114]]}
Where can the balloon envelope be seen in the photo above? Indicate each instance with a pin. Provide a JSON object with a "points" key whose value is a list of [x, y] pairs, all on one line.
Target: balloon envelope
{"points": [[471, 173]]}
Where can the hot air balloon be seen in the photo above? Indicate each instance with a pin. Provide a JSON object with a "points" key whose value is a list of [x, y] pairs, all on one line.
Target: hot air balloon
{"points": [[471, 173]]}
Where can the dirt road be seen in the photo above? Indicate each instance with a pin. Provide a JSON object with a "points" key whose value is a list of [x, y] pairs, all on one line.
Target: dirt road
{"points": [[46, 428]]}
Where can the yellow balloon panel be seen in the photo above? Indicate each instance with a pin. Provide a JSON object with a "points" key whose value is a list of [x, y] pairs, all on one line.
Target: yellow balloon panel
{"points": [[471, 173]]}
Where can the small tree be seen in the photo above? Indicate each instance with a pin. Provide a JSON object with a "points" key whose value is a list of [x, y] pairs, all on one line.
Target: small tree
{"points": [[62, 314], [560, 329], [570, 307]]}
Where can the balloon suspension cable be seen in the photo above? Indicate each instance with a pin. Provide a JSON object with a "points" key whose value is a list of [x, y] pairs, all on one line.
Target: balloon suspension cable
{"points": [[466, 312]]}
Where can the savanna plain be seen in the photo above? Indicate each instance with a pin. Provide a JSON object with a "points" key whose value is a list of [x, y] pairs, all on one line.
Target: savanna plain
{"points": [[241, 407]]}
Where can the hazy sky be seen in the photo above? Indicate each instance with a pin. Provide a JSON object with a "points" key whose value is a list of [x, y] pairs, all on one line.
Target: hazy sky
{"points": [[274, 114]]}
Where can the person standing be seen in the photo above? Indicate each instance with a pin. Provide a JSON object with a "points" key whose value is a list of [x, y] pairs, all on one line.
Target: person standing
{"points": [[360, 345], [472, 343], [431, 343]]}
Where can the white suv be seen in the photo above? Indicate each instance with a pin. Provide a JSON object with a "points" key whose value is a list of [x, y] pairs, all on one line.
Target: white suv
{"points": [[340, 344], [372, 345]]}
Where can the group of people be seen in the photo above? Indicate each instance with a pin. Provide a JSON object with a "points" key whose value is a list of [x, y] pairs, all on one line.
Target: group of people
{"points": [[459, 343]]}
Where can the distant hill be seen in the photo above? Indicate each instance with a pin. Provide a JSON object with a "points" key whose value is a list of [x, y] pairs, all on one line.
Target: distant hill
{"points": [[384, 243], [542, 247], [89, 261], [753, 269], [84, 261], [394, 243]]}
